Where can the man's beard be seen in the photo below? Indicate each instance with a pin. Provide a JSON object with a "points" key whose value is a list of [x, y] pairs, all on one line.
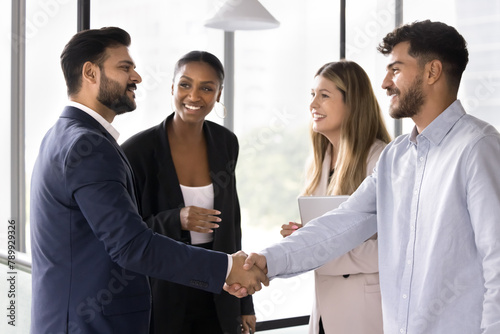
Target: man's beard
{"points": [[410, 102], [114, 96]]}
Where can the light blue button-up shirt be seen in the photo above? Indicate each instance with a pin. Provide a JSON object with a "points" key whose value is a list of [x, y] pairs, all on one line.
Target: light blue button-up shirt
{"points": [[434, 200]]}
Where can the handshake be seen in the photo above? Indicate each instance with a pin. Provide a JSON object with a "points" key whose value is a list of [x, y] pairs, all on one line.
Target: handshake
{"points": [[247, 275]]}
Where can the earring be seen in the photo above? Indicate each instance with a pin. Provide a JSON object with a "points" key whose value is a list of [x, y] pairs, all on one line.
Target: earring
{"points": [[218, 106]]}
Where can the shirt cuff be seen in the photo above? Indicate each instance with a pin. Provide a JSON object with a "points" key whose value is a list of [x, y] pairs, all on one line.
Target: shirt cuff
{"points": [[229, 264]]}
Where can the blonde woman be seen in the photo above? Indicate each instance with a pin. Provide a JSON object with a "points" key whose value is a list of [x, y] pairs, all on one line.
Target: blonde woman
{"points": [[348, 134]]}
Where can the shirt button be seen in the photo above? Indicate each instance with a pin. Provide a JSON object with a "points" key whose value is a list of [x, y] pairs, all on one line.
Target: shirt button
{"points": [[421, 158], [405, 296], [401, 330], [409, 262]]}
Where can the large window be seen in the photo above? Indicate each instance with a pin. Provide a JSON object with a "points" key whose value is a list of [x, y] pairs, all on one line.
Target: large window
{"points": [[273, 74], [5, 44], [364, 31], [479, 23], [274, 70], [5, 146], [49, 26]]}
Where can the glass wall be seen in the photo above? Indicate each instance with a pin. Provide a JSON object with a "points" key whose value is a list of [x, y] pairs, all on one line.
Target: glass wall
{"points": [[49, 26], [5, 140], [274, 70], [273, 73], [365, 30]]}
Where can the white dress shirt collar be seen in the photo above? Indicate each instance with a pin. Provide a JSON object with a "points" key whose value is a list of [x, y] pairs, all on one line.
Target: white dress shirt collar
{"points": [[112, 131]]}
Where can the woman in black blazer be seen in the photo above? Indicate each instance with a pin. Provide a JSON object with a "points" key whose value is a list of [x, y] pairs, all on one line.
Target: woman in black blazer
{"points": [[184, 174]]}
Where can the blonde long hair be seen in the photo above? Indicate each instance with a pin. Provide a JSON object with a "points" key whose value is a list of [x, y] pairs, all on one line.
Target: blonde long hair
{"points": [[362, 125]]}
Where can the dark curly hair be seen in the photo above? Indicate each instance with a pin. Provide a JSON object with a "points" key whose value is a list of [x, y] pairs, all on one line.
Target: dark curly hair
{"points": [[432, 40]]}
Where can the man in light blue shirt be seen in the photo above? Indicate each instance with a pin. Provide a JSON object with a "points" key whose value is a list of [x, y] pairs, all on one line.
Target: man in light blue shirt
{"points": [[433, 199]]}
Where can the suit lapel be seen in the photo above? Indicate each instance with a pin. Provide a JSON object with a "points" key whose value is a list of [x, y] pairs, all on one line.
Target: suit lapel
{"points": [[166, 165], [216, 161]]}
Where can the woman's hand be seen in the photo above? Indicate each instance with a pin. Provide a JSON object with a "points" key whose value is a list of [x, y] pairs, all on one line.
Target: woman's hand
{"points": [[289, 228], [248, 322], [198, 219]]}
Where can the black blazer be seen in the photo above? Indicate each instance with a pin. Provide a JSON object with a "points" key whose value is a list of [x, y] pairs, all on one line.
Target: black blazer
{"points": [[161, 200]]}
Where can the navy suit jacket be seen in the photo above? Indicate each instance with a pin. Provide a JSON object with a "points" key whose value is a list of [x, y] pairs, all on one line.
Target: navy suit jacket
{"points": [[91, 251]]}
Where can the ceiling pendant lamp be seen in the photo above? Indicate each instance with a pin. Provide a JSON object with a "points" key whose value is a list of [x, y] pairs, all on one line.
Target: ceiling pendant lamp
{"points": [[242, 15]]}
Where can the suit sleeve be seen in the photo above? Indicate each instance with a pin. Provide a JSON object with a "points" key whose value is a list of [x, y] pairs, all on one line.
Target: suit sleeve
{"points": [[361, 260], [327, 237], [100, 183], [168, 222]]}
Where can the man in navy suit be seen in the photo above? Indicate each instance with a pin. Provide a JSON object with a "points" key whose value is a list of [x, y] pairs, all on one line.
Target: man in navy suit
{"points": [[91, 250]]}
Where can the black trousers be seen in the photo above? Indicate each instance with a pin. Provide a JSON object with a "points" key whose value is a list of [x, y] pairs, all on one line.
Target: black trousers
{"points": [[321, 329], [200, 316]]}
